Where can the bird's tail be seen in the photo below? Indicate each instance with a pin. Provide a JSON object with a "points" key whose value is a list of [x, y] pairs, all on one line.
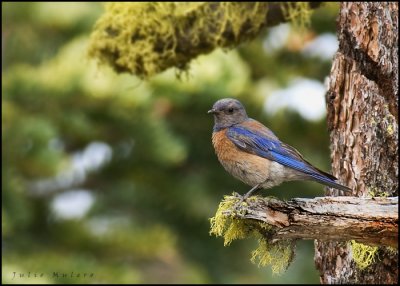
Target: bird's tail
{"points": [[330, 181]]}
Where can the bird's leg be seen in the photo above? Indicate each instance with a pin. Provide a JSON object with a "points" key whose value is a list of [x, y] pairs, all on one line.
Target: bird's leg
{"points": [[255, 188], [243, 198]]}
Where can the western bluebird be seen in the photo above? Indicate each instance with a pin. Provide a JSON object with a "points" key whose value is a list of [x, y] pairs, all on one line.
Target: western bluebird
{"points": [[253, 154]]}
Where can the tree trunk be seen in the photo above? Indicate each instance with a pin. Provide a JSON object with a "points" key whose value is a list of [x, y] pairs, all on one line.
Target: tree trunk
{"points": [[363, 122]]}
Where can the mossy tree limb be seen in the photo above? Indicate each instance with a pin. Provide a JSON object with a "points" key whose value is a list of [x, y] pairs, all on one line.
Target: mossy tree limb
{"points": [[373, 221], [149, 37]]}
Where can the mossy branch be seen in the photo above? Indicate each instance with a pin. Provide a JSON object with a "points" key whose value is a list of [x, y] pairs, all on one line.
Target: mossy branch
{"points": [[277, 224], [366, 220], [149, 37]]}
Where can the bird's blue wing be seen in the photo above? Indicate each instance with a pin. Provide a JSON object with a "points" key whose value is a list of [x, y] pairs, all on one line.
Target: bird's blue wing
{"points": [[253, 139], [253, 142]]}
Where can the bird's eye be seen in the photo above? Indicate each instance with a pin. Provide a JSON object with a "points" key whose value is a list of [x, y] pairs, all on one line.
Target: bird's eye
{"points": [[230, 110]]}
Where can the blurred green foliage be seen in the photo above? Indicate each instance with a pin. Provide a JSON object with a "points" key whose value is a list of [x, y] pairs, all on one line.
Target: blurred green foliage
{"points": [[152, 199]]}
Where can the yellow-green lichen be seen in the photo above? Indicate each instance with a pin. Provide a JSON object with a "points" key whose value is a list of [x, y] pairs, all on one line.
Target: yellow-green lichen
{"points": [[363, 255], [145, 38], [376, 192], [226, 225], [230, 226], [297, 12], [278, 255], [389, 122], [390, 130]]}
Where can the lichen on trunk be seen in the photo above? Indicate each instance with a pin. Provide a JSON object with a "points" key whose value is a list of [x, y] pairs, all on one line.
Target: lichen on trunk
{"points": [[362, 101]]}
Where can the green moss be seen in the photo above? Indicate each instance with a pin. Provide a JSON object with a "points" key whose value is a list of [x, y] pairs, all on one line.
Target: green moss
{"points": [[227, 224], [390, 130], [145, 38], [363, 255], [278, 255], [297, 12], [376, 192]]}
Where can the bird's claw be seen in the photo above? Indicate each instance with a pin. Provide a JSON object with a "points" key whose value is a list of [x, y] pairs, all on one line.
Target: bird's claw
{"points": [[240, 202]]}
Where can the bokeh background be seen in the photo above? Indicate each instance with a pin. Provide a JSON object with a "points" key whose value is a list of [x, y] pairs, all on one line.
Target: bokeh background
{"points": [[111, 175]]}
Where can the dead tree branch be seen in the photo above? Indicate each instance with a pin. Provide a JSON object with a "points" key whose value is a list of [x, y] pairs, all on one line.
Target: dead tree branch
{"points": [[366, 220]]}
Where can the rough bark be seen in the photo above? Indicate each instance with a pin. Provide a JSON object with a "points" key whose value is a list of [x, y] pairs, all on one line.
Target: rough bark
{"points": [[362, 102], [373, 221]]}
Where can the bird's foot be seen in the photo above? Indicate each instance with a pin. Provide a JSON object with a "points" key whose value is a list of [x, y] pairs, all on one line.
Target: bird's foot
{"points": [[242, 199], [240, 204]]}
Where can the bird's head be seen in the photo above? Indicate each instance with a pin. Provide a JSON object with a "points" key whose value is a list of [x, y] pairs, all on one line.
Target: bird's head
{"points": [[228, 112]]}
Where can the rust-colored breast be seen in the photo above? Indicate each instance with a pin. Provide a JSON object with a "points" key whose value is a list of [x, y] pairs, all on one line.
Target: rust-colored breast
{"points": [[244, 166], [224, 148], [249, 168]]}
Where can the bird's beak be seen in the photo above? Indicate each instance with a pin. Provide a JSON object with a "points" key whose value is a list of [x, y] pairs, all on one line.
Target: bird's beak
{"points": [[212, 110]]}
